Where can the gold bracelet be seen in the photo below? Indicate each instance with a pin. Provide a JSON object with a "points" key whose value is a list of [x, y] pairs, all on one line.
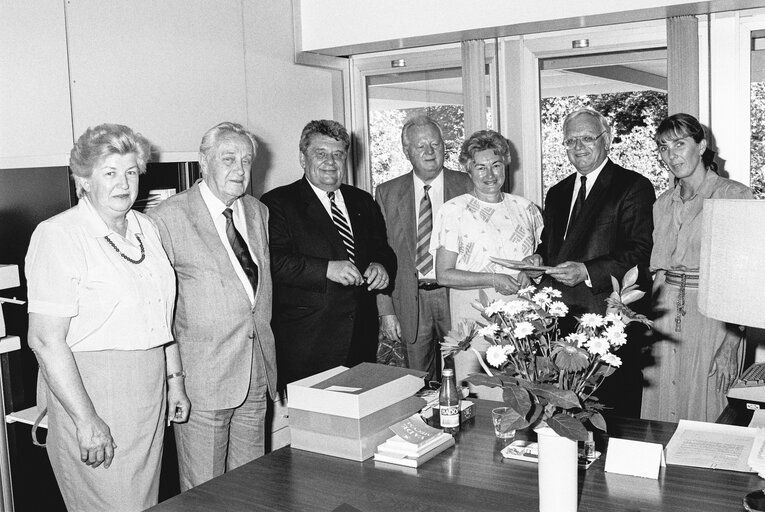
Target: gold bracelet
{"points": [[180, 374]]}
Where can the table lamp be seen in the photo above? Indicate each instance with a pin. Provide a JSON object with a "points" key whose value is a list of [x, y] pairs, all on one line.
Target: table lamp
{"points": [[9, 278], [732, 280]]}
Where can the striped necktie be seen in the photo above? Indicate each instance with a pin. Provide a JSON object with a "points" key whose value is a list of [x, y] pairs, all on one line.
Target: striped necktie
{"points": [[424, 262], [242, 253], [342, 226]]}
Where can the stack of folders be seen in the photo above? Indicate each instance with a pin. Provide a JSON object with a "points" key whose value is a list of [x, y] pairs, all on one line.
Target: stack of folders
{"points": [[415, 443]]}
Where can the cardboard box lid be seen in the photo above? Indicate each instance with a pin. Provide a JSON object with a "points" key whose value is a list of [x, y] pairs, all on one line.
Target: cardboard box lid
{"points": [[356, 392]]}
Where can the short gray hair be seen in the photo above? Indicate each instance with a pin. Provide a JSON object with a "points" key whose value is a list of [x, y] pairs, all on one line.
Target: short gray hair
{"points": [[602, 120], [98, 142], [419, 120], [211, 136]]}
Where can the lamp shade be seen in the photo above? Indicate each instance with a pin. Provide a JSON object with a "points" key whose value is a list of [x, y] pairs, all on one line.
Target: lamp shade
{"points": [[732, 273], [9, 276]]}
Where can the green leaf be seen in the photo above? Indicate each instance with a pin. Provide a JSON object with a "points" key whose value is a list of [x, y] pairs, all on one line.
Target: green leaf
{"points": [[630, 277], [597, 421], [630, 297], [563, 398], [481, 379], [483, 298], [536, 413], [517, 398], [567, 426], [615, 285], [512, 420]]}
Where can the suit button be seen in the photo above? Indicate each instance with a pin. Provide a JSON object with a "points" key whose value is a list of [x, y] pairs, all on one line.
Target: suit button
{"points": [[350, 317]]}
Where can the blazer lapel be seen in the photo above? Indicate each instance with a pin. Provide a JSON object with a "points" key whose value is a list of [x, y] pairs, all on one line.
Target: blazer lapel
{"points": [[596, 199], [203, 223], [315, 211], [405, 215]]}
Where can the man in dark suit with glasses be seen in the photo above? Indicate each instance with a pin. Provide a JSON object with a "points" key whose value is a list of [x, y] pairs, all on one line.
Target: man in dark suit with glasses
{"points": [[598, 224]]}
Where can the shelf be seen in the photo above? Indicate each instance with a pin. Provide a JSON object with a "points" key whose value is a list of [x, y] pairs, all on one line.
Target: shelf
{"points": [[27, 416], [9, 344]]}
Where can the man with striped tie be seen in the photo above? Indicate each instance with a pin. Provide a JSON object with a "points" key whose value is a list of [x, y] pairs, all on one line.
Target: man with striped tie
{"points": [[329, 259], [417, 312]]}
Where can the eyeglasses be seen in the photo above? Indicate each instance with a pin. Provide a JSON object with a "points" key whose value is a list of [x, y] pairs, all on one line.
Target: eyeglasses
{"points": [[586, 140]]}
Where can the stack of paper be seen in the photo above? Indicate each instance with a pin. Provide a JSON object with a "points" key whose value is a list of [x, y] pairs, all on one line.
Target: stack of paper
{"points": [[415, 442]]}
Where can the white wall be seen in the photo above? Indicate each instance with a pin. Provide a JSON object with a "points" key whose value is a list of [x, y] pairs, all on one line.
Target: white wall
{"points": [[334, 23], [35, 121], [281, 96]]}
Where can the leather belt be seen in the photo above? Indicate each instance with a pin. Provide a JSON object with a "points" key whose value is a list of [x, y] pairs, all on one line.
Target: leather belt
{"points": [[428, 285]]}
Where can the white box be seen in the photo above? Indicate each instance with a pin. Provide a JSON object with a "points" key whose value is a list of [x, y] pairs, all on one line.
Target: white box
{"points": [[355, 392]]}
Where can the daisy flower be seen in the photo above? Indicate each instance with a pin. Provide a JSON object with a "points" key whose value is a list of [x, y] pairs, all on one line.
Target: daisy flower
{"points": [[598, 345], [591, 320], [493, 308], [615, 335], [612, 360], [568, 357], [558, 309], [496, 355], [541, 299], [552, 292], [488, 331], [578, 338], [523, 329], [515, 307], [527, 292]]}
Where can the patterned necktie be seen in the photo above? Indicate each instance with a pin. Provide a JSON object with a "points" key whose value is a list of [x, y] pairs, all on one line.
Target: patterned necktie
{"points": [[241, 251], [580, 198], [424, 262], [343, 228]]}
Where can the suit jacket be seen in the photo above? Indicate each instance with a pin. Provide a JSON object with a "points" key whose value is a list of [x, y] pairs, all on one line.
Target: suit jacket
{"points": [[320, 324], [216, 326], [612, 234], [396, 200]]}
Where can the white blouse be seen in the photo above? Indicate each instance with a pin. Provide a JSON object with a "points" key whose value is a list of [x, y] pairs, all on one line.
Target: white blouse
{"points": [[73, 271]]}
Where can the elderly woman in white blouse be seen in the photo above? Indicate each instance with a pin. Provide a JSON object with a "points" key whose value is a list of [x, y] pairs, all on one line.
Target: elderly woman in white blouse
{"points": [[473, 227], [101, 295]]}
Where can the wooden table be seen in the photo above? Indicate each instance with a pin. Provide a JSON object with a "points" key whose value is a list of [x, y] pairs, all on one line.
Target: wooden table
{"points": [[472, 476]]}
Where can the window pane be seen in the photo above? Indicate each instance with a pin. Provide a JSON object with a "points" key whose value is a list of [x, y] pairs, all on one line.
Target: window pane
{"points": [[757, 119], [394, 97], [633, 104]]}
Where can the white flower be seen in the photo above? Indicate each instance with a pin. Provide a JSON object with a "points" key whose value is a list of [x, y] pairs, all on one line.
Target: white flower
{"points": [[541, 299], [515, 307], [494, 308], [579, 338], [523, 329], [592, 320], [552, 292], [616, 335], [496, 355], [488, 331], [598, 346], [612, 359], [558, 309], [526, 292]]}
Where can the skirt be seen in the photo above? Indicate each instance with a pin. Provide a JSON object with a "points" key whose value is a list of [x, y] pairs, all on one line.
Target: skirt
{"points": [[127, 388]]}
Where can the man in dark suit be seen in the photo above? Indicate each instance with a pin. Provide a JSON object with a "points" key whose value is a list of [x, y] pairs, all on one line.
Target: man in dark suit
{"points": [[598, 224], [215, 236], [329, 258], [417, 312]]}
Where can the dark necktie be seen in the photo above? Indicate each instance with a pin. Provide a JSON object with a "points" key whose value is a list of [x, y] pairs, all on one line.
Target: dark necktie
{"points": [[424, 261], [240, 249], [579, 204], [343, 228]]}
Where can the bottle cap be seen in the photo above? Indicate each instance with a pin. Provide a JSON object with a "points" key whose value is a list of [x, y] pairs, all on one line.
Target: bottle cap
{"points": [[447, 372]]}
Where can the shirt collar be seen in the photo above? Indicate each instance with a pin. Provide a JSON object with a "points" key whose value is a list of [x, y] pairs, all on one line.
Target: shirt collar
{"points": [[435, 183], [214, 205], [96, 225], [592, 176], [322, 194], [705, 191]]}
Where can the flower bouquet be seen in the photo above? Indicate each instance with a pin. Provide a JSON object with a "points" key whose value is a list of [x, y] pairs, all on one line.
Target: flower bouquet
{"points": [[547, 377]]}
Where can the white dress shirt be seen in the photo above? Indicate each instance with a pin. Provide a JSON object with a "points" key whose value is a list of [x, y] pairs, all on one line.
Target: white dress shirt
{"points": [[326, 203], [436, 195], [216, 208]]}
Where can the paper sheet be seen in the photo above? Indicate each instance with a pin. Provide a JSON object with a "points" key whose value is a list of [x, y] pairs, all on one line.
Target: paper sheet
{"points": [[758, 419], [711, 445]]}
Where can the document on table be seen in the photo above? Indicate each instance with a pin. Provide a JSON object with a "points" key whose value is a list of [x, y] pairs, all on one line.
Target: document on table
{"points": [[711, 445]]}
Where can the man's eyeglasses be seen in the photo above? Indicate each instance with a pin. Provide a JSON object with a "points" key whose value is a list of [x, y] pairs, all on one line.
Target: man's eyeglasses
{"points": [[586, 140]]}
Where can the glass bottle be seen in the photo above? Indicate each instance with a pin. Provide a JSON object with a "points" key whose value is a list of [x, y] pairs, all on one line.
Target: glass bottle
{"points": [[449, 403]]}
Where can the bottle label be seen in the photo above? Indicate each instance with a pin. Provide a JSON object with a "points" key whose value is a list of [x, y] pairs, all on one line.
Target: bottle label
{"points": [[450, 415]]}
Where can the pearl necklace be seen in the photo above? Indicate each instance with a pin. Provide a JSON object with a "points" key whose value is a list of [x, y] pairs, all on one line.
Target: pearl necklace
{"points": [[125, 256]]}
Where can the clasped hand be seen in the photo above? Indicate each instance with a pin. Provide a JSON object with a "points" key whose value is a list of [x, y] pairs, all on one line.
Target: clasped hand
{"points": [[345, 273]]}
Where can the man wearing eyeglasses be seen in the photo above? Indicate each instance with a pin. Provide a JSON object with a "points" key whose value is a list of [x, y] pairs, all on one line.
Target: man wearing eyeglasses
{"points": [[329, 258], [598, 224]]}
